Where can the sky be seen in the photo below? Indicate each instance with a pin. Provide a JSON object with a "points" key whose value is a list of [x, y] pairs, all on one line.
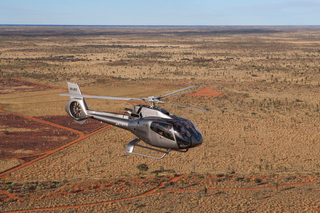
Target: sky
{"points": [[159, 12]]}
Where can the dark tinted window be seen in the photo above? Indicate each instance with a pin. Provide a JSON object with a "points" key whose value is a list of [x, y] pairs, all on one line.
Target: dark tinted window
{"points": [[163, 129]]}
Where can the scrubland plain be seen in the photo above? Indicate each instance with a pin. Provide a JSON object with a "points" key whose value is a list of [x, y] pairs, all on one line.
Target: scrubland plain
{"points": [[261, 135]]}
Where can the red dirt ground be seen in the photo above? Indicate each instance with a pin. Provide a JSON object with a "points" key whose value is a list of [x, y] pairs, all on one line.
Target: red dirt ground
{"points": [[98, 186], [23, 134], [35, 135], [31, 139], [48, 128], [208, 92], [16, 86], [65, 120]]}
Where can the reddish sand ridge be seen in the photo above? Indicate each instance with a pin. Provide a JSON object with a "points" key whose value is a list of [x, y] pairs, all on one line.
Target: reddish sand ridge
{"points": [[208, 92]]}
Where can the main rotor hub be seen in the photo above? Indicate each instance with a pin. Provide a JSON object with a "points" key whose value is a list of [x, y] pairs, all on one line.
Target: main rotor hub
{"points": [[153, 100]]}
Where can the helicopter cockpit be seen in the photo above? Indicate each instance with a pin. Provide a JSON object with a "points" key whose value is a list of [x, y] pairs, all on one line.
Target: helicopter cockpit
{"points": [[183, 131]]}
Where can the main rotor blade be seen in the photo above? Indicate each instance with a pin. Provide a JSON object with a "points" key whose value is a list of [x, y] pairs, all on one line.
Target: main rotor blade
{"points": [[202, 110], [101, 97], [180, 90]]}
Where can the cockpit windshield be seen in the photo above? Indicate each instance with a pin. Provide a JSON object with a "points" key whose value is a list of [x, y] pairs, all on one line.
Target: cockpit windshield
{"points": [[184, 130]]}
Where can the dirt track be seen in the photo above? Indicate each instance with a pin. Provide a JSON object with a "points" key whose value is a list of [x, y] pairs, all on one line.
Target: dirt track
{"points": [[40, 156]]}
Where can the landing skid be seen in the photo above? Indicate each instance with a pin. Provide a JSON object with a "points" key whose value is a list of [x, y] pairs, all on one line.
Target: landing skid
{"points": [[134, 143]]}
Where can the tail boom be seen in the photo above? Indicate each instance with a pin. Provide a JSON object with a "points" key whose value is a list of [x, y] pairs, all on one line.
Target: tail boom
{"points": [[79, 111]]}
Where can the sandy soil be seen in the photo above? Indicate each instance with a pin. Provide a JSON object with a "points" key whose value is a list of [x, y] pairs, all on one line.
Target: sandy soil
{"points": [[261, 146], [192, 193], [7, 164]]}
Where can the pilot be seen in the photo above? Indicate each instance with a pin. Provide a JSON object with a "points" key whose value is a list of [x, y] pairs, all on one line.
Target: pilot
{"points": [[160, 132], [182, 130], [188, 128]]}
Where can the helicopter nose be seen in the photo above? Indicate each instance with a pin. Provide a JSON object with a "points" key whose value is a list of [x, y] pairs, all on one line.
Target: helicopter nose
{"points": [[196, 141]]}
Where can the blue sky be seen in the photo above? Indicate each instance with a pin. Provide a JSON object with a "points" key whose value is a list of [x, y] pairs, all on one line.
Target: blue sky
{"points": [[160, 12]]}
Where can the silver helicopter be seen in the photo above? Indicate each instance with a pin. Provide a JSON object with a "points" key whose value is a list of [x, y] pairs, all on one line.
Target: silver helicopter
{"points": [[149, 123]]}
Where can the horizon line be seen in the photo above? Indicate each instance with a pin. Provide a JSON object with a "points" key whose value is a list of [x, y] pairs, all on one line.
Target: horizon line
{"points": [[92, 25]]}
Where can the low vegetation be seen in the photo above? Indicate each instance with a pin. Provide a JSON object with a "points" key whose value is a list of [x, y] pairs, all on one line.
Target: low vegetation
{"points": [[259, 84]]}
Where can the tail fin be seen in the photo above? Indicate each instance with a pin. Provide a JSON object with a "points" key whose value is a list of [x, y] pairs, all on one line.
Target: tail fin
{"points": [[76, 107], [74, 89]]}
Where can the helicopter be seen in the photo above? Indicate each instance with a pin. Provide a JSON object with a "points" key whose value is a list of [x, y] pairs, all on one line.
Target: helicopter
{"points": [[149, 123]]}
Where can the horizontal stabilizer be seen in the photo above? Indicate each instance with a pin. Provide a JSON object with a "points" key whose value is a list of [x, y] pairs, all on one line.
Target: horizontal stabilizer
{"points": [[101, 97]]}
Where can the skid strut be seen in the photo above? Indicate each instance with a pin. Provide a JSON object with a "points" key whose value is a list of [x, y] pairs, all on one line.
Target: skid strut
{"points": [[134, 143]]}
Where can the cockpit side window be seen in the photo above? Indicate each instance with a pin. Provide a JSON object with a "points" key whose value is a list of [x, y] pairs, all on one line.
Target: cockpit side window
{"points": [[163, 129]]}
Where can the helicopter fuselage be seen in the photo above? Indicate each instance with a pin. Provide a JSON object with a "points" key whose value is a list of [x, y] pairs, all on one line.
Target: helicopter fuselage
{"points": [[155, 126]]}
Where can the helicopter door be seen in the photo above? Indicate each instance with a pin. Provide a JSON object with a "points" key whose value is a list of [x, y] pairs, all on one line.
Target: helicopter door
{"points": [[164, 134]]}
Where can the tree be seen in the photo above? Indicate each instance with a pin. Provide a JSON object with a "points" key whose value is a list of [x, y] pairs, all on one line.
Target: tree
{"points": [[142, 167]]}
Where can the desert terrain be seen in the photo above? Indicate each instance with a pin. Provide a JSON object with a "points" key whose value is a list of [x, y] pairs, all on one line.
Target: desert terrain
{"points": [[261, 135]]}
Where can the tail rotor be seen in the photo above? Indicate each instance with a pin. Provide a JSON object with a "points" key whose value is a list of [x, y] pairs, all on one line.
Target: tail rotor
{"points": [[76, 107]]}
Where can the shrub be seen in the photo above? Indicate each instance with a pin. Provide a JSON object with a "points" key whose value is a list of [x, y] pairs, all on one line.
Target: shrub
{"points": [[10, 200], [238, 179], [257, 180], [205, 190], [142, 167], [277, 186], [218, 180]]}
